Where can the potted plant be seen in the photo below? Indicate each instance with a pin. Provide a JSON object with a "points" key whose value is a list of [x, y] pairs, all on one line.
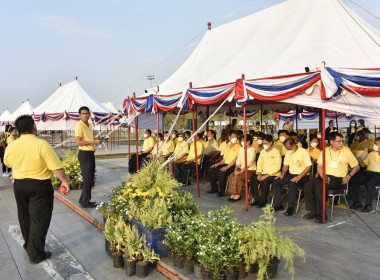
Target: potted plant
{"points": [[148, 256], [109, 234], [132, 246], [120, 232], [261, 244]]}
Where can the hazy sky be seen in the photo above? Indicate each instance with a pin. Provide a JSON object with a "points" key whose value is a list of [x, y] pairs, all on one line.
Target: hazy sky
{"points": [[108, 44]]}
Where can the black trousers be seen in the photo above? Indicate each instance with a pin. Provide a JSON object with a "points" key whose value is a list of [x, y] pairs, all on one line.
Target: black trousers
{"points": [[5, 168], [34, 199], [132, 163], [181, 169], [369, 179], [278, 184], [218, 178], [87, 166], [264, 185], [313, 192]]}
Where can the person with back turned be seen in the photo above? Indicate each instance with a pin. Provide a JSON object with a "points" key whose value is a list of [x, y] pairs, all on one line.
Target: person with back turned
{"points": [[84, 139], [33, 162]]}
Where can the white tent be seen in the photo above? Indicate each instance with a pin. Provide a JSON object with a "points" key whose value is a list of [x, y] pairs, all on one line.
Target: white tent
{"points": [[110, 106], [63, 105], [24, 109], [3, 119], [282, 39]]}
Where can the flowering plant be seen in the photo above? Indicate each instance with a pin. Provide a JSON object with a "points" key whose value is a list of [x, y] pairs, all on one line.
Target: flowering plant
{"points": [[71, 165], [148, 254]]}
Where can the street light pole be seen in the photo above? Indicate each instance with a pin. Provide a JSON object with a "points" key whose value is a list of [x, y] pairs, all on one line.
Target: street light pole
{"points": [[150, 78]]}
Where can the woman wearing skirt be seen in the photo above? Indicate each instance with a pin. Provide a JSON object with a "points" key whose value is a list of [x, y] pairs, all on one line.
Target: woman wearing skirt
{"points": [[236, 179]]}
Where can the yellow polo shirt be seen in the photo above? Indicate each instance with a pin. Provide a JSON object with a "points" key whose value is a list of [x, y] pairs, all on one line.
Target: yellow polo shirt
{"points": [[184, 150], [297, 161], [154, 151], [149, 142], [10, 139], [231, 153], [358, 147], [373, 162], [191, 154], [280, 146], [315, 153], [251, 158], [269, 162], [222, 147], [337, 162], [211, 146], [168, 147], [85, 132], [31, 158]]}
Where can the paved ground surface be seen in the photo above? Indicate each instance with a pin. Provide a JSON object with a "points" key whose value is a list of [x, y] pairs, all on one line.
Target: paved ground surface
{"points": [[346, 248]]}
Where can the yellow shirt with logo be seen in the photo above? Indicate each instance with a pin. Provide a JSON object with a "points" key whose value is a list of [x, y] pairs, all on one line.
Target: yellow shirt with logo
{"points": [[315, 153], [251, 158], [222, 147], [297, 161], [85, 133], [168, 148], [269, 162], [149, 142], [231, 153], [184, 150], [337, 162], [211, 146], [372, 161], [32, 158], [191, 155], [358, 147], [280, 146]]}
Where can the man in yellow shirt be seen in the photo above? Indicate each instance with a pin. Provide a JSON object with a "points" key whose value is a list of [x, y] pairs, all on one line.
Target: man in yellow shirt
{"points": [[180, 152], [84, 138], [297, 162], [219, 172], [279, 143], [338, 159], [211, 150], [148, 146], [232, 126], [12, 135], [268, 168], [181, 168], [361, 143], [370, 178], [33, 162]]}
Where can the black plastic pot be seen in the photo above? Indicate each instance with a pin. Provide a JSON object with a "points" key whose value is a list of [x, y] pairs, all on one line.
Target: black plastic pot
{"points": [[242, 273], [254, 268], [197, 271], [141, 269], [75, 186], [205, 275], [130, 267], [117, 260], [232, 276], [178, 262], [171, 258], [106, 245], [188, 267], [272, 269]]}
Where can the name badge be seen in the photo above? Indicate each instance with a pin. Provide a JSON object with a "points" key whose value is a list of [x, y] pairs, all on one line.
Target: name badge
{"points": [[333, 164]]}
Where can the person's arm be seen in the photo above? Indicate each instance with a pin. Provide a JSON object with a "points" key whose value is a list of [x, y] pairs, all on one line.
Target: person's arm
{"points": [[349, 176], [285, 169], [229, 165], [303, 174], [60, 173], [81, 142]]}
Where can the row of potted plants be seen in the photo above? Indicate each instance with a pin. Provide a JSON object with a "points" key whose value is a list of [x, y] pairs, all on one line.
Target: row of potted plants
{"points": [[221, 247]]}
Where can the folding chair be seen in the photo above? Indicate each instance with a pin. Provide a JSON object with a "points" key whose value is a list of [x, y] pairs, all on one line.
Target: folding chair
{"points": [[286, 187], [378, 197], [339, 193]]}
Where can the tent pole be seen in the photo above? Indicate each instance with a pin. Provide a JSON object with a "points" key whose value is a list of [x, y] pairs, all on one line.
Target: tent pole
{"points": [[297, 119], [323, 168], [245, 157], [137, 139], [261, 117], [336, 120], [207, 115], [158, 120], [129, 141], [196, 154]]}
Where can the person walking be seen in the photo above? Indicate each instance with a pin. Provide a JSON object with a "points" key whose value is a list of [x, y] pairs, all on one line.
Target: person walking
{"points": [[85, 141], [33, 162]]}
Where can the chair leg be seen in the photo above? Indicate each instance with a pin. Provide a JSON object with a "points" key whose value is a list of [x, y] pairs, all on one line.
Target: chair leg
{"points": [[378, 198], [348, 209], [298, 202], [332, 207]]}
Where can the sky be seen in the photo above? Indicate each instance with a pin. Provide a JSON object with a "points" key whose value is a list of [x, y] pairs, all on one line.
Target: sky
{"points": [[110, 45]]}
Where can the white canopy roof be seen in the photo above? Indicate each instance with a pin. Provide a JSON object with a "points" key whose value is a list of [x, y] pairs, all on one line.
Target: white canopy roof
{"points": [[110, 106], [24, 109], [69, 97], [5, 115], [282, 39]]}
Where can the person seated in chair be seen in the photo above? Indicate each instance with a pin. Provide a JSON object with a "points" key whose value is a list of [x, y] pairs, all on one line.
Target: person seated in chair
{"points": [[268, 168], [153, 153], [237, 178], [361, 143], [337, 160], [279, 143], [147, 148], [218, 155], [294, 135], [181, 168], [370, 178], [180, 152], [297, 162], [210, 151], [219, 172]]}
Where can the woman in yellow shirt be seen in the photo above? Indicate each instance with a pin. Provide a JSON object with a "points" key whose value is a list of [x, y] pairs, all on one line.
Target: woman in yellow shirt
{"points": [[236, 179]]}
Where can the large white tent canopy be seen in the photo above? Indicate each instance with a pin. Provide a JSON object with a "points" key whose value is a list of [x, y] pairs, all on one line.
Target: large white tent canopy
{"points": [[24, 109]]}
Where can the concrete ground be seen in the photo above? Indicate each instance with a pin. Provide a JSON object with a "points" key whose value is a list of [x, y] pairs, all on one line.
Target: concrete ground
{"points": [[346, 248]]}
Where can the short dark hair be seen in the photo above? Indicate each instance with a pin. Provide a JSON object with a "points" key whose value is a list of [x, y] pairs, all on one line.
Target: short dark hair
{"points": [[293, 133], [148, 130], [160, 135], [188, 133], [290, 141], [282, 131], [313, 136], [249, 138], [213, 133], [84, 108], [331, 121], [24, 124], [334, 135], [11, 129], [268, 137]]}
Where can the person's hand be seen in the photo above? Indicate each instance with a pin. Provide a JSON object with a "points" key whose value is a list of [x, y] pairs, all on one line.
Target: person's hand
{"points": [[279, 177], [345, 180], [259, 177], [295, 179], [97, 141], [327, 179], [67, 187], [223, 168], [236, 172]]}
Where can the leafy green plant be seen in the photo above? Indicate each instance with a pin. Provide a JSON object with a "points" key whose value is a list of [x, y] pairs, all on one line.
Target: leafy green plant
{"points": [[148, 253], [109, 232], [132, 243], [262, 244]]}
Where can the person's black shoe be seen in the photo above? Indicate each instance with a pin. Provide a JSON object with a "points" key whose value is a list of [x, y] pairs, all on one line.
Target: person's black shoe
{"points": [[255, 203], [279, 208], [211, 191], [289, 212], [309, 215], [356, 205], [47, 255], [261, 204], [89, 205], [318, 219], [233, 200], [367, 208], [220, 195]]}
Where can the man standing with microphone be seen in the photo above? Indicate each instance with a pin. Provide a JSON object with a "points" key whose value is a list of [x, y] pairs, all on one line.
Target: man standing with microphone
{"points": [[84, 138], [33, 162]]}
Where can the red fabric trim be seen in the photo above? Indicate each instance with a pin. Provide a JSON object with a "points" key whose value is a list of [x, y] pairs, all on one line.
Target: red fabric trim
{"points": [[365, 91], [239, 89]]}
